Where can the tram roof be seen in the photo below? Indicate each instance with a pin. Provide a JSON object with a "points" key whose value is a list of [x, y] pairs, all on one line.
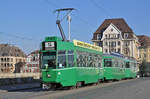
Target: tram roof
{"points": [[119, 56], [114, 54]]}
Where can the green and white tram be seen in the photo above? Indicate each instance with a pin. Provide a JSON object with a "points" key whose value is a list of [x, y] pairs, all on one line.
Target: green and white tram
{"points": [[76, 63], [70, 63]]}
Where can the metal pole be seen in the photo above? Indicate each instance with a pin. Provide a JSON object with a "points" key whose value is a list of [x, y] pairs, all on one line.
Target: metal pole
{"points": [[69, 21]]}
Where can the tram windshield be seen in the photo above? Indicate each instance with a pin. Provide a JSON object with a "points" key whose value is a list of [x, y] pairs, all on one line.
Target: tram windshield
{"points": [[49, 60], [107, 62]]}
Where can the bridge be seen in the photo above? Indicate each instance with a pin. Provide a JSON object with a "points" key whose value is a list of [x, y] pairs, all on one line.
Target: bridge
{"points": [[20, 75]]}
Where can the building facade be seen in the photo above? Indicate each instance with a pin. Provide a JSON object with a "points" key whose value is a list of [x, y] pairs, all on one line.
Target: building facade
{"points": [[114, 35], [144, 49], [32, 62], [10, 57]]}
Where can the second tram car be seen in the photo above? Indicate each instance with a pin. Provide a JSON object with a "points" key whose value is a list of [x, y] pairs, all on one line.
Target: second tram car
{"points": [[117, 67]]}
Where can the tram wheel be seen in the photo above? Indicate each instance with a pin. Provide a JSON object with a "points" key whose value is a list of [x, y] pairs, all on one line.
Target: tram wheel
{"points": [[72, 87], [97, 83]]}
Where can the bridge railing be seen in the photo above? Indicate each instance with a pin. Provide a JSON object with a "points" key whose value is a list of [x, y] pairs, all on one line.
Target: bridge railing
{"points": [[20, 75]]}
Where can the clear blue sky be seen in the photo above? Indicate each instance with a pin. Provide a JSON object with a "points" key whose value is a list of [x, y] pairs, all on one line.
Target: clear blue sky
{"points": [[25, 23]]}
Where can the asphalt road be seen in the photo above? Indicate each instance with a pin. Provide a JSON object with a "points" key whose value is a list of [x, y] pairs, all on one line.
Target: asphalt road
{"points": [[126, 89]]}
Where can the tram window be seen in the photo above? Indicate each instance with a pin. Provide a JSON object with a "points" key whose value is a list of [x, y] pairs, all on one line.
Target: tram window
{"points": [[134, 66], [115, 62], [130, 65], [99, 65], [52, 63], [107, 62], [49, 59], [91, 61], [127, 65], [86, 59], [100, 61], [97, 61], [62, 59], [78, 59], [122, 63], [70, 58], [81, 59]]}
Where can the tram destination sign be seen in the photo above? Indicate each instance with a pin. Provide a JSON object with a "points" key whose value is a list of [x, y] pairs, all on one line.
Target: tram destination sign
{"points": [[50, 46], [86, 45]]}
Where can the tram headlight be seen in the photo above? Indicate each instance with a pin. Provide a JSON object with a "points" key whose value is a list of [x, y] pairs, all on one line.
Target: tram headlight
{"points": [[59, 73], [48, 75]]}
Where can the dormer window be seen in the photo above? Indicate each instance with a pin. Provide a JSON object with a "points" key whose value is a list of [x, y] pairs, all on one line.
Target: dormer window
{"points": [[106, 44], [118, 43], [109, 35], [118, 35], [105, 35], [98, 36], [126, 35]]}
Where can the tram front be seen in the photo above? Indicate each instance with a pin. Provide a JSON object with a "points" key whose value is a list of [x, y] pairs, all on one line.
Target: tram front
{"points": [[48, 62]]}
